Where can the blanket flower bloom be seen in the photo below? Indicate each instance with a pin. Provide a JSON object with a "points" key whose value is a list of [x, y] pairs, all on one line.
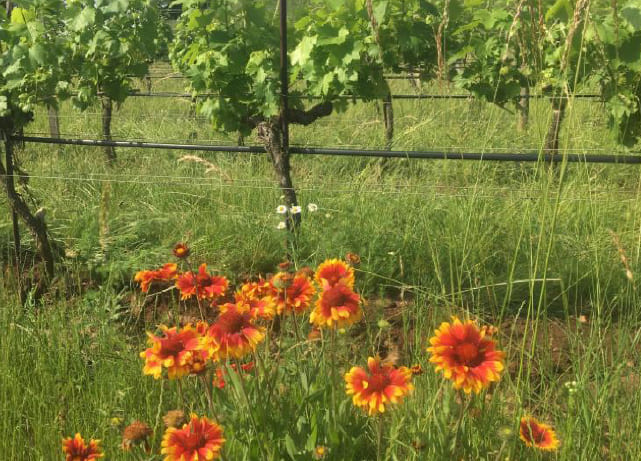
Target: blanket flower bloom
{"points": [[336, 307], [334, 271], [381, 384], [174, 351], [292, 294], [466, 354], [202, 285], [537, 435], [257, 299], [199, 440], [233, 334], [75, 449], [166, 273]]}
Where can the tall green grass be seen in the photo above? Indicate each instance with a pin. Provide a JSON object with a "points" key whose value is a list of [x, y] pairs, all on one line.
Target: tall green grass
{"points": [[525, 246]]}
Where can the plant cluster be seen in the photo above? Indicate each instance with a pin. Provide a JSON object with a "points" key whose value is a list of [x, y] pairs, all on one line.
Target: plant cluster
{"points": [[244, 343]]}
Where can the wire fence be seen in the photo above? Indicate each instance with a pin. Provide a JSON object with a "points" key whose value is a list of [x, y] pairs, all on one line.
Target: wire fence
{"points": [[406, 154]]}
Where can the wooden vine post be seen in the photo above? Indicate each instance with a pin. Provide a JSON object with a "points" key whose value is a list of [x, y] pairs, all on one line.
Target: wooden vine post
{"points": [[11, 191], [523, 109], [107, 110], [278, 137], [10, 184], [19, 208]]}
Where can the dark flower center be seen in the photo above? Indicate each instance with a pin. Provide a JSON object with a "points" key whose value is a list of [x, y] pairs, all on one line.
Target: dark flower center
{"points": [[536, 433], [194, 441], [378, 382], [171, 346], [468, 354], [231, 322]]}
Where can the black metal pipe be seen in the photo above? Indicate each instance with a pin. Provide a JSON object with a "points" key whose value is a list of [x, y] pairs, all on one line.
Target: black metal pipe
{"points": [[140, 144], [409, 154], [284, 77]]}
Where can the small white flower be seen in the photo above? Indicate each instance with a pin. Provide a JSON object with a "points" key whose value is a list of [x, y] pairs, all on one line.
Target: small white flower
{"points": [[312, 207], [281, 209], [281, 225], [295, 209]]}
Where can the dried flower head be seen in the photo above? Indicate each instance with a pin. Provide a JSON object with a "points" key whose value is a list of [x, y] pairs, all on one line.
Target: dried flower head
{"points": [[352, 259], [135, 434], [174, 418]]}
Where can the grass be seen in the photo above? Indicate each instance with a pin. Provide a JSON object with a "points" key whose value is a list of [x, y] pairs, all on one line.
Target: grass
{"points": [[528, 248]]}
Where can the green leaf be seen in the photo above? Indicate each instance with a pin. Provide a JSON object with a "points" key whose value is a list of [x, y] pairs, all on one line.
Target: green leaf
{"points": [[632, 13], [86, 18], [303, 51], [335, 39], [22, 15], [38, 54], [4, 106], [290, 446], [116, 6], [561, 10], [379, 12]]}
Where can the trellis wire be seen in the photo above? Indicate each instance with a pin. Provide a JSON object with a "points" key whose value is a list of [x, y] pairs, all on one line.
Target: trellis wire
{"points": [[407, 154], [435, 192]]}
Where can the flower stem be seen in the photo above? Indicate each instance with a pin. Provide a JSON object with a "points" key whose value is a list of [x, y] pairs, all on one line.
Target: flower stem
{"points": [[379, 438], [245, 397], [180, 393], [332, 367], [208, 393]]}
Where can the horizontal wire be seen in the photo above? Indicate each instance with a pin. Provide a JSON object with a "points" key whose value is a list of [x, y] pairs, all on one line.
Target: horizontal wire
{"points": [[224, 140], [380, 185], [320, 188], [563, 156]]}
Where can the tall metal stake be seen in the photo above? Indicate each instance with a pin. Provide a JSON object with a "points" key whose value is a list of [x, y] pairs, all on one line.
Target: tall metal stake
{"points": [[284, 77], [11, 188]]}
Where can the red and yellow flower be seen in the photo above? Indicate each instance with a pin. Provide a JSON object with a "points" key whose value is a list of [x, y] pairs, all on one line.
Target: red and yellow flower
{"points": [[292, 294], [202, 285], [334, 271], [166, 273], [258, 299], [234, 334], [75, 449], [466, 354], [336, 307], [181, 250], [174, 350], [381, 384], [199, 440], [538, 435]]}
